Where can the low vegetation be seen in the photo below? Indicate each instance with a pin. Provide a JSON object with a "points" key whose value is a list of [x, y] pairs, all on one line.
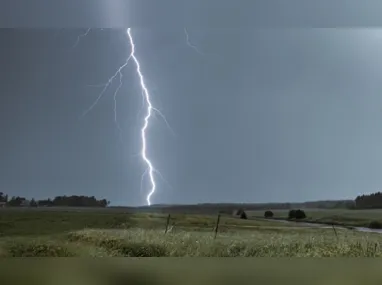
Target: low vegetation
{"points": [[102, 233], [37, 249], [268, 214], [296, 214], [375, 225], [241, 214], [338, 217], [154, 243]]}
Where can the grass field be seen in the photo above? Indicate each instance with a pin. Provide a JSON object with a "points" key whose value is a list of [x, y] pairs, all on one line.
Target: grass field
{"points": [[355, 218], [104, 233]]}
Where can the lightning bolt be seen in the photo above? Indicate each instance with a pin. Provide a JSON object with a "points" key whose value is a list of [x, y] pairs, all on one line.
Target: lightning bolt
{"points": [[190, 44], [81, 36], [106, 86], [150, 110]]}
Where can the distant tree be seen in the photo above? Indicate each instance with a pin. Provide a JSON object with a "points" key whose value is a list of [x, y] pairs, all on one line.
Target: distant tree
{"points": [[372, 201], [16, 201], [45, 203], [33, 203], [292, 214], [103, 203], [243, 215], [300, 214], [3, 197], [240, 213], [78, 201], [268, 214], [63, 201]]}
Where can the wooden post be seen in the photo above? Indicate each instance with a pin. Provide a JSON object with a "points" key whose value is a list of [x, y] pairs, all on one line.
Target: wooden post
{"points": [[167, 223], [217, 226], [335, 232]]}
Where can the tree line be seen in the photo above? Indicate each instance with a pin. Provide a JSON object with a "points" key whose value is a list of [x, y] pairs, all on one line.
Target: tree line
{"points": [[371, 201], [59, 201]]}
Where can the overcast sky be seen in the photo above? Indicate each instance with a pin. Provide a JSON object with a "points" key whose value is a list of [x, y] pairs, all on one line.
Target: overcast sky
{"points": [[259, 114]]}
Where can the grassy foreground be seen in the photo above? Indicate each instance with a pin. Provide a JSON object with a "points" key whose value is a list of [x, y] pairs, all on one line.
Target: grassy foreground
{"points": [[109, 233]]}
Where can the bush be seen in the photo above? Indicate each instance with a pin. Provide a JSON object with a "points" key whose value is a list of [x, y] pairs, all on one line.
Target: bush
{"points": [[375, 225], [292, 214], [300, 214], [296, 214], [268, 214], [243, 216]]}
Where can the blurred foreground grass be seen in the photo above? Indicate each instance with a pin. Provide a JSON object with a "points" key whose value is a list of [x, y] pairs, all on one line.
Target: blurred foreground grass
{"points": [[191, 271]]}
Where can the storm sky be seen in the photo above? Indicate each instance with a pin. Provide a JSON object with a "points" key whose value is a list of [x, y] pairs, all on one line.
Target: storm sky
{"points": [[259, 115]]}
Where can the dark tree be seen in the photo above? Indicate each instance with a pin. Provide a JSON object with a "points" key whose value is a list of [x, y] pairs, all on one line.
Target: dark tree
{"points": [[33, 203], [372, 201], [243, 215], [79, 201], [300, 214], [3, 197], [296, 214], [45, 203], [268, 214], [292, 214], [16, 201]]}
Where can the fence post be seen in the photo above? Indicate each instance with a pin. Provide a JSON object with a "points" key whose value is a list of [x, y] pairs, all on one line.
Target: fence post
{"points": [[168, 221], [217, 226], [335, 232]]}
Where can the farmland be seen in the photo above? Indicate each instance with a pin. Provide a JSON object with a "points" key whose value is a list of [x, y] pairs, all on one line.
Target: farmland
{"points": [[117, 232]]}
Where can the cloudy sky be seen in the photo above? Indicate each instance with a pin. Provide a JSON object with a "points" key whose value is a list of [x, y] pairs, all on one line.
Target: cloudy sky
{"points": [[258, 115]]}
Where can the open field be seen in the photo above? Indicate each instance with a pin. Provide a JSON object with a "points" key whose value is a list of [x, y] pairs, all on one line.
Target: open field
{"points": [[355, 218], [111, 232]]}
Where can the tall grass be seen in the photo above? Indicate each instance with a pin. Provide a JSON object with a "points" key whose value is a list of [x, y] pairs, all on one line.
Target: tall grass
{"points": [[138, 242], [39, 233]]}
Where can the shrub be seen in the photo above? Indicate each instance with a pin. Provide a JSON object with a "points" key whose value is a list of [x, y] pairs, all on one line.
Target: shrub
{"points": [[243, 216], [375, 225], [296, 214], [240, 213], [300, 214], [268, 214], [292, 214]]}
